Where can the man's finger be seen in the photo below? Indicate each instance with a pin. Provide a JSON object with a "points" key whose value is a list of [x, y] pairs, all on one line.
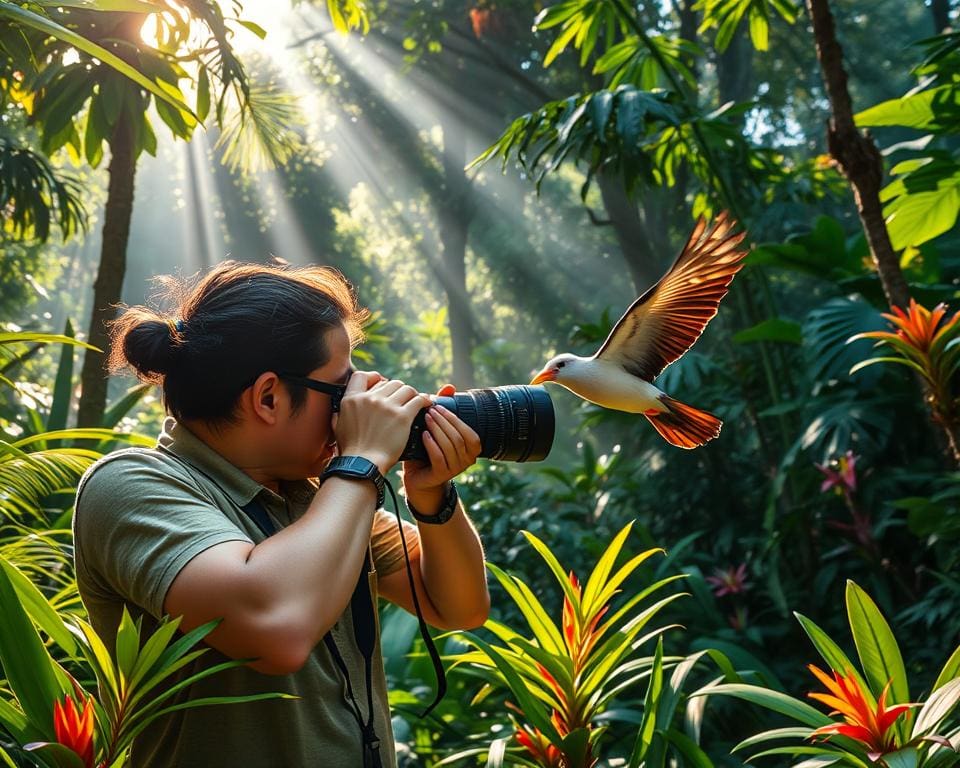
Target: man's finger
{"points": [[388, 387], [442, 439], [360, 381], [434, 454], [416, 404]]}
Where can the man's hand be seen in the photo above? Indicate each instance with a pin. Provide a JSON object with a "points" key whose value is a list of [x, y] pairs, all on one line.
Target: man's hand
{"points": [[451, 447], [375, 418]]}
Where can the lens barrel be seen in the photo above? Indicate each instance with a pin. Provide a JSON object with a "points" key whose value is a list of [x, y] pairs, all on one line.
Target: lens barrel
{"points": [[515, 422]]}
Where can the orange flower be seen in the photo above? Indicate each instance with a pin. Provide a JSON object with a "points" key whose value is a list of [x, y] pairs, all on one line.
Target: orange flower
{"points": [[545, 753], [74, 730], [871, 728], [918, 326]]}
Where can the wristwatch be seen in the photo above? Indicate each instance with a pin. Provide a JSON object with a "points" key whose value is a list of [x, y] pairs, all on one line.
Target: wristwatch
{"points": [[447, 509], [356, 467]]}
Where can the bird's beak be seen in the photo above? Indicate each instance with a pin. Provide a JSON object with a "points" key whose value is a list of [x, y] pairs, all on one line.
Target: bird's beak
{"points": [[547, 374]]}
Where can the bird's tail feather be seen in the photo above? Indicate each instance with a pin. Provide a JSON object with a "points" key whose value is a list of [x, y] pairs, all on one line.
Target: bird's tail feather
{"points": [[683, 425]]}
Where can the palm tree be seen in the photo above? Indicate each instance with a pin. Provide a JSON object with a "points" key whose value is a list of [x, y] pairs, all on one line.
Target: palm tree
{"points": [[103, 97]]}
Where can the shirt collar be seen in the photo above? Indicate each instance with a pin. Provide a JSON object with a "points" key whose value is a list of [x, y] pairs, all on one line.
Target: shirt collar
{"points": [[237, 484]]}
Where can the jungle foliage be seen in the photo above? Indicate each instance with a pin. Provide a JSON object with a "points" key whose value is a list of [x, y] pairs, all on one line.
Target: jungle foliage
{"points": [[651, 606]]}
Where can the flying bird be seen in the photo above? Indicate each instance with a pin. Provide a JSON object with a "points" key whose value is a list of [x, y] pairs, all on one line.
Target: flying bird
{"points": [[655, 331]]}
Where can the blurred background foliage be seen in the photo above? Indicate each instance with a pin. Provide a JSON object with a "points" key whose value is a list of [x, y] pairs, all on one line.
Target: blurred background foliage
{"points": [[605, 128]]}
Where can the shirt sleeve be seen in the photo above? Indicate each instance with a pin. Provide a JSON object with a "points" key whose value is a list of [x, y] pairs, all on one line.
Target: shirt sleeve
{"points": [[139, 521], [386, 544]]}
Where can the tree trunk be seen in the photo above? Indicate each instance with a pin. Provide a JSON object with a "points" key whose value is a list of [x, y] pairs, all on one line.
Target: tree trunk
{"points": [[643, 262], [856, 154], [455, 209], [734, 70], [941, 15], [113, 263]]}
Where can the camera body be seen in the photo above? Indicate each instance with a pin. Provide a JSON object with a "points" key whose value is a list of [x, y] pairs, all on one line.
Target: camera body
{"points": [[514, 422]]}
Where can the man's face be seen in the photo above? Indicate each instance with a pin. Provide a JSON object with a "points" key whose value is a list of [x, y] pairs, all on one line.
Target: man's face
{"points": [[307, 438]]}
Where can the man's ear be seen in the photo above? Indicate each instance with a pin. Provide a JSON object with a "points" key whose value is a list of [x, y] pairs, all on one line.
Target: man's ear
{"points": [[264, 396]]}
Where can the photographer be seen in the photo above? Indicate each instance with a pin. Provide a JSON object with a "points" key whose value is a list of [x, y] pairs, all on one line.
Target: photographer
{"points": [[225, 518]]}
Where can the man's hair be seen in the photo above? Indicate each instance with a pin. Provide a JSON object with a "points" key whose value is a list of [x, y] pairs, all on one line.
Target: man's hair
{"points": [[226, 327]]}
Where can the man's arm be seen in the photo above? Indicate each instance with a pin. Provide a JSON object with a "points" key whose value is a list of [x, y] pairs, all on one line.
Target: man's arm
{"points": [[449, 570], [277, 599], [448, 573]]}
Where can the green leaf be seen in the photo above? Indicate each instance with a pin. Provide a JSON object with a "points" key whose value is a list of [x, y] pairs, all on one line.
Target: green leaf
{"points": [[113, 6], [203, 94], [127, 646], [836, 659], [116, 411], [255, 28], [772, 329], [774, 734], [532, 709], [63, 386], [36, 21], [29, 337], [687, 747], [540, 622], [562, 41], [933, 109], [773, 700], [950, 671], [28, 667], [759, 28], [62, 757], [936, 709], [877, 648], [825, 752], [916, 217], [599, 109], [557, 569], [39, 609], [902, 758], [650, 704], [601, 571], [576, 745]]}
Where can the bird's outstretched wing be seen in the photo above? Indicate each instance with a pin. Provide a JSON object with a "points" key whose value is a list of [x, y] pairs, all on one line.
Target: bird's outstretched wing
{"points": [[665, 322]]}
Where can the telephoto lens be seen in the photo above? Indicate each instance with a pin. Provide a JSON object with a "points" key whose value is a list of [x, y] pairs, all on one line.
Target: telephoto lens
{"points": [[515, 422]]}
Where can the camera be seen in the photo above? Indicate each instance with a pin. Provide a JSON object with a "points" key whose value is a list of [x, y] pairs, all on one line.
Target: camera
{"points": [[514, 422]]}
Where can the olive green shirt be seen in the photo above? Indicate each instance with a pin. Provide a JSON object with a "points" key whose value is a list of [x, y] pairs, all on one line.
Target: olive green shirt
{"points": [[141, 516]]}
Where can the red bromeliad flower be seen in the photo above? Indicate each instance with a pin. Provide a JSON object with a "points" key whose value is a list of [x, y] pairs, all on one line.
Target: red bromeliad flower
{"points": [[918, 326], [538, 745], [580, 640], [75, 730], [924, 341], [872, 728]]}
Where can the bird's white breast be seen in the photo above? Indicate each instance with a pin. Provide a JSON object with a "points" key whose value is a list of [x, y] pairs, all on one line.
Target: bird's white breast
{"points": [[607, 384]]}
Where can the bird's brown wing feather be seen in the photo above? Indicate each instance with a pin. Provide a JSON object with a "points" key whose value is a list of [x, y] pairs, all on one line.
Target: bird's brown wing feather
{"points": [[666, 320]]}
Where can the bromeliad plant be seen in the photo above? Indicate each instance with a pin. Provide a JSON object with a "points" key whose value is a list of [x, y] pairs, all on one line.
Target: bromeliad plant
{"points": [[564, 677], [51, 714], [872, 719], [929, 343]]}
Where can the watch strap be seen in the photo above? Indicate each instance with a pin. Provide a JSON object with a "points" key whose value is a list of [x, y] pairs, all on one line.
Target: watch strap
{"points": [[356, 467], [448, 507]]}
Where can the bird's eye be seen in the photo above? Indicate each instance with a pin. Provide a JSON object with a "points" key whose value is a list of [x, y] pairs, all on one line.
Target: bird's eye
{"points": [[560, 364]]}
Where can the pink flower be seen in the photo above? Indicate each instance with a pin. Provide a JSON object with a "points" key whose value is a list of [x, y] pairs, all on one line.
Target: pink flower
{"points": [[732, 581], [840, 474]]}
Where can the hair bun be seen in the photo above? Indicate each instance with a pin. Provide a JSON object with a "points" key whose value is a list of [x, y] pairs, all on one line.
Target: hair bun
{"points": [[151, 347]]}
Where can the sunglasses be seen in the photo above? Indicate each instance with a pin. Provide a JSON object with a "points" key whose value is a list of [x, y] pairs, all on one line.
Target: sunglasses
{"points": [[335, 391]]}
